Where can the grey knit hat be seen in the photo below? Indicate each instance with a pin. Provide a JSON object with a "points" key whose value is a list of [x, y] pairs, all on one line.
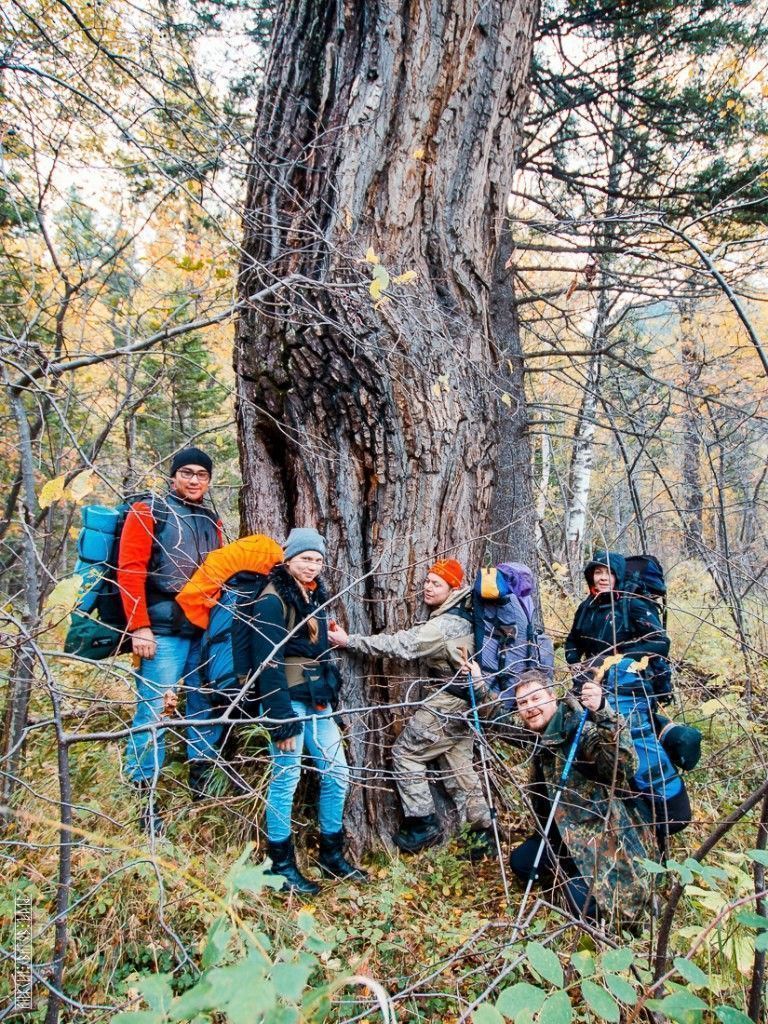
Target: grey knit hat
{"points": [[301, 539]]}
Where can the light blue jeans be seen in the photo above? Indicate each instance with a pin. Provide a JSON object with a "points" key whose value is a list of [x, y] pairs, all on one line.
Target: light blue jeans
{"points": [[323, 743], [176, 661]]}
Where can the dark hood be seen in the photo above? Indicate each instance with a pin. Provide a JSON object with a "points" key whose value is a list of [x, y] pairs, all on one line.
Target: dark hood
{"points": [[612, 560]]}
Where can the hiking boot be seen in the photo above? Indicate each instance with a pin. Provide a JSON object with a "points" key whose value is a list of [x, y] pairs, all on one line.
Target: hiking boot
{"points": [[150, 820], [283, 860], [479, 843], [332, 862], [418, 833]]}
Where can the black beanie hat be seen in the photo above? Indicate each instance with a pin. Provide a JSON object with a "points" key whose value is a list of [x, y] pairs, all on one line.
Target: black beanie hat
{"points": [[191, 457]]}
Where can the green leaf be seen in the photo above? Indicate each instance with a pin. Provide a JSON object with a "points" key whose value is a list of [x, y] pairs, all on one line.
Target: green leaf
{"points": [[253, 878], [691, 972], [683, 1007], [727, 1015], [545, 963], [584, 963], [290, 980], [707, 871], [486, 1014], [652, 867], [197, 999], [761, 942], [156, 990], [245, 1005], [139, 1017], [306, 922], [686, 875], [600, 1002], [761, 856], [219, 935], [282, 1015], [617, 959], [557, 1009], [621, 988], [519, 997], [752, 920]]}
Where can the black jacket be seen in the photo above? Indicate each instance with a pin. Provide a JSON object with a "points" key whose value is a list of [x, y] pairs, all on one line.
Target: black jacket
{"points": [[259, 627], [613, 621]]}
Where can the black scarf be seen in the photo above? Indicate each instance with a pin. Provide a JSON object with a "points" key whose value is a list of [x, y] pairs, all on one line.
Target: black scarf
{"points": [[293, 596]]}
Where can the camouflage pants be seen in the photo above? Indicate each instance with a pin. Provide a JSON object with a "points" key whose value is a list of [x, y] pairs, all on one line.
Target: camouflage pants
{"points": [[437, 730]]}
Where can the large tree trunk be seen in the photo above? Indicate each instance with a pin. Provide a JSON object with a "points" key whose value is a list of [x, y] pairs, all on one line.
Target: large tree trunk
{"points": [[392, 127]]}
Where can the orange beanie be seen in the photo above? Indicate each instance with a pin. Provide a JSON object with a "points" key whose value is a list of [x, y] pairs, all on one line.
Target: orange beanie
{"points": [[448, 569]]}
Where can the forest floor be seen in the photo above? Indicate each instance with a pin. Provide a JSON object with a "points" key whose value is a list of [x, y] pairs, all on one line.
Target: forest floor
{"points": [[433, 929]]}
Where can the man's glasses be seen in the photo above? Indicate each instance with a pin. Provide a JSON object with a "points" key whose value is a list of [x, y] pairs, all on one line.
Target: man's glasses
{"points": [[195, 474]]}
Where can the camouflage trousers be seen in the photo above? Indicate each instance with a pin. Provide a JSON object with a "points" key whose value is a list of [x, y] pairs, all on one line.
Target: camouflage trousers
{"points": [[438, 731]]}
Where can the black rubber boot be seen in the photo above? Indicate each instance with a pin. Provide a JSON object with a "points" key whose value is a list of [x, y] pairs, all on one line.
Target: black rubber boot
{"points": [[418, 833], [332, 862], [150, 821], [480, 843], [284, 863]]}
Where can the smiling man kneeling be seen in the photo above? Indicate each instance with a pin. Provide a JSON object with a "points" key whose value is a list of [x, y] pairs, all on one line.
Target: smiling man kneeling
{"points": [[598, 837]]}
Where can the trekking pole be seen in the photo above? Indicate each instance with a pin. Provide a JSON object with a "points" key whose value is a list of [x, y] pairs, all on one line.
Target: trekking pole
{"points": [[487, 779], [510, 967], [551, 816]]}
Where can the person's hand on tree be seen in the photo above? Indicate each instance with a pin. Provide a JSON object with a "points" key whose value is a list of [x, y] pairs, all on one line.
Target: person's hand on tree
{"points": [[143, 643], [286, 746], [337, 636]]}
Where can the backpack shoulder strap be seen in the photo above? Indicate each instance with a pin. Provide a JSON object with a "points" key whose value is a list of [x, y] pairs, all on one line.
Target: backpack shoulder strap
{"points": [[289, 613], [161, 512]]}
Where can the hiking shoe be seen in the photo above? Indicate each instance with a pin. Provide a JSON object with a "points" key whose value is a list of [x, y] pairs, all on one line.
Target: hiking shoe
{"points": [[332, 861], [283, 858], [418, 833]]}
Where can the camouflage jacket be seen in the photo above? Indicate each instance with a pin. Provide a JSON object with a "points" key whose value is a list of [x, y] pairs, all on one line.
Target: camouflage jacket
{"points": [[434, 644], [604, 833]]}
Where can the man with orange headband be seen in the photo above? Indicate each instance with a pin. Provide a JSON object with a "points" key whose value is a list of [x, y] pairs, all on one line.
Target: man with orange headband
{"points": [[438, 727]]}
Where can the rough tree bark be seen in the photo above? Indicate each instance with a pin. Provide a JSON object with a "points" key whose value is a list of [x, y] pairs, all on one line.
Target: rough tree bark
{"points": [[394, 126]]}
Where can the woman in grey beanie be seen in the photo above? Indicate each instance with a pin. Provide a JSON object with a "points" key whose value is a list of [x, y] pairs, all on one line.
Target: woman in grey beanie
{"points": [[297, 693]]}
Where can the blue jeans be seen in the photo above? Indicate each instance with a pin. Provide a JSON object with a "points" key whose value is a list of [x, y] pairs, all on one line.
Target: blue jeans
{"points": [[177, 659], [323, 743]]}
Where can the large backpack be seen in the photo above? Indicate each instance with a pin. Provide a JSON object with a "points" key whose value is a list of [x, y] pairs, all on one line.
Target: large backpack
{"points": [[508, 641], [630, 693], [219, 597], [644, 577], [97, 624], [217, 662]]}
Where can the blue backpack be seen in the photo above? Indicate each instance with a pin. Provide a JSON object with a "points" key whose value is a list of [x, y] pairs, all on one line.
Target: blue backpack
{"points": [[632, 696], [508, 641], [217, 657], [97, 624]]}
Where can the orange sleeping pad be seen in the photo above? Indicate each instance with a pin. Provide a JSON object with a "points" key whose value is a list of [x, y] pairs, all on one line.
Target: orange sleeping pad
{"points": [[256, 553]]}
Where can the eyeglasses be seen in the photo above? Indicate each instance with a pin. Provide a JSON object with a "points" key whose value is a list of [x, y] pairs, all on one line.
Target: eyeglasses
{"points": [[195, 474]]}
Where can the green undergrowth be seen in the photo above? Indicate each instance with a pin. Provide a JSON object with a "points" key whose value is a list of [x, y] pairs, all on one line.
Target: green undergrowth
{"points": [[192, 930]]}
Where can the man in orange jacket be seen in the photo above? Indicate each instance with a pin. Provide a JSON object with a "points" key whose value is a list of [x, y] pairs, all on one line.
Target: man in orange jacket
{"points": [[162, 543]]}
